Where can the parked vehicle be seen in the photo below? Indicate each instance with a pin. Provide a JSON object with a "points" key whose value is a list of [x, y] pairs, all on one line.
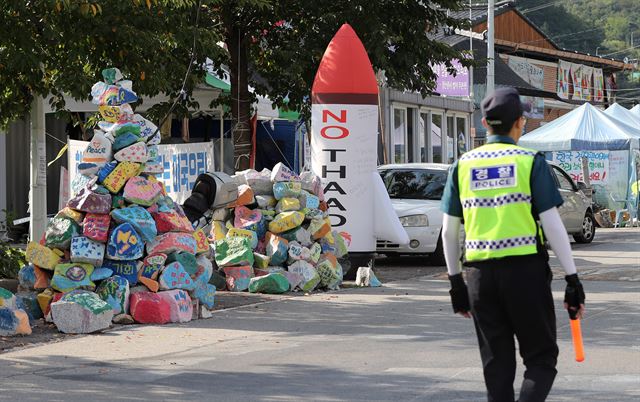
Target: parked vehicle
{"points": [[415, 190], [577, 210]]}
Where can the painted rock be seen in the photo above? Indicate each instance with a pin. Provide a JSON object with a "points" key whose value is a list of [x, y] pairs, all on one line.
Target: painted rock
{"points": [[125, 140], [205, 293], [7, 299], [86, 250], [204, 271], [286, 221], [152, 266], [310, 276], [154, 164], [43, 278], [90, 201], [81, 313], [115, 291], [136, 152], [155, 139], [60, 231], [286, 189], [139, 218], [41, 256], [218, 230], [27, 277], [101, 273], [342, 246], [298, 252], [245, 195], [274, 283], [218, 280], [245, 234], [294, 278], [172, 241], [180, 308], [125, 269], [308, 200], [68, 277], [187, 260], [288, 204], [118, 201], [44, 300], [141, 191], [98, 150], [67, 212], [174, 276], [233, 251], [125, 243], [277, 249], [150, 284], [319, 228], [282, 173], [119, 176], [202, 242], [14, 322], [147, 128], [313, 213], [260, 260], [314, 253], [172, 222], [246, 218], [266, 201], [28, 302], [96, 227], [238, 278], [106, 170], [123, 319], [327, 268], [149, 308]]}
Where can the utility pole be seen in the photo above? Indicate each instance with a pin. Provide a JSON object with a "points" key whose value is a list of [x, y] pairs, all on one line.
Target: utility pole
{"points": [[38, 170], [490, 48]]}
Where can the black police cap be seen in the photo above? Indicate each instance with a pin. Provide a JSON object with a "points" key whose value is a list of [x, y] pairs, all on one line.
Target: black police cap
{"points": [[503, 107]]}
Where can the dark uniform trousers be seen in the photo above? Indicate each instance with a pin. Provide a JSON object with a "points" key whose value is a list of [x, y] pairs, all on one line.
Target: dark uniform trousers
{"points": [[512, 296]]}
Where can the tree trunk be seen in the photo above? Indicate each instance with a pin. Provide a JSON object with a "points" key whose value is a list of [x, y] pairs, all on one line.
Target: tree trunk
{"points": [[240, 97]]}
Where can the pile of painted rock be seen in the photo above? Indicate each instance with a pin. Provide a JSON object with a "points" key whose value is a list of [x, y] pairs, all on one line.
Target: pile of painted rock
{"points": [[277, 236], [121, 250]]}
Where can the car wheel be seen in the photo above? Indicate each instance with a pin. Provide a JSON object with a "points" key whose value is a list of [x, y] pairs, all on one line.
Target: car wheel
{"points": [[588, 230], [437, 257]]}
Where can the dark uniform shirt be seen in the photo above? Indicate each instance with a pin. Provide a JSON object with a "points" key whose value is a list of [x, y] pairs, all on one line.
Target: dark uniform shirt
{"points": [[544, 192]]}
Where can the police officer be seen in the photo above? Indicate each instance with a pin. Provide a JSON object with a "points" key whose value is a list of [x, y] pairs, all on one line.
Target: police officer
{"points": [[499, 192]]}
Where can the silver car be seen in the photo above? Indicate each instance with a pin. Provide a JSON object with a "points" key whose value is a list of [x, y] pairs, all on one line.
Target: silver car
{"points": [[577, 210]]}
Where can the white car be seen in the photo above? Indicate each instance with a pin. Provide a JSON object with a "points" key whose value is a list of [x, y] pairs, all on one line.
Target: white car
{"points": [[415, 190]]}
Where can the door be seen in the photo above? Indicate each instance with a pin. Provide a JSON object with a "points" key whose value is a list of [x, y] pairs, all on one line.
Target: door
{"points": [[570, 211]]}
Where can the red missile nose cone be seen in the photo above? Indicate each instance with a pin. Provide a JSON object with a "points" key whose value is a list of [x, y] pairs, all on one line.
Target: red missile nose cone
{"points": [[345, 68]]}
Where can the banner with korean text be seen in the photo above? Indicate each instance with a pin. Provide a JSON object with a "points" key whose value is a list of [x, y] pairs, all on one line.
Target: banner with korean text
{"points": [[182, 164], [564, 79]]}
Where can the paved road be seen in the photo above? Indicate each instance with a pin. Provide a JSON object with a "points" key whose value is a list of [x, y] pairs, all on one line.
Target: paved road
{"points": [[399, 342]]}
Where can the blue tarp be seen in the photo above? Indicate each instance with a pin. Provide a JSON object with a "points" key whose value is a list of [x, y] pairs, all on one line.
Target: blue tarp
{"points": [[582, 129]]}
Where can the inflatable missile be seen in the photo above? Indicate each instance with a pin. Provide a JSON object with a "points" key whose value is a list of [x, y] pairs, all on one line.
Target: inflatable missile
{"points": [[344, 144]]}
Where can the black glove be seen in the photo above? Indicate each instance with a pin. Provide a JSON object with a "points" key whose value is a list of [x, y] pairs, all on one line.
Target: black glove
{"points": [[573, 295], [459, 295]]}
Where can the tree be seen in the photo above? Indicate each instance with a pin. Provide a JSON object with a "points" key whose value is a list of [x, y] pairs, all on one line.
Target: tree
{"points": [[276, 46], [60, 47]]}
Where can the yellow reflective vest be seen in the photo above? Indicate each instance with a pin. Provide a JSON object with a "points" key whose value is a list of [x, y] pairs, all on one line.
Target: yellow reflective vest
{"points": [[495, 193]]}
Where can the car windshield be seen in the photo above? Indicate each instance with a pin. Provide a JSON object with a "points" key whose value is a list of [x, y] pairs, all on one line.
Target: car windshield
{"points": [[415, 184]]}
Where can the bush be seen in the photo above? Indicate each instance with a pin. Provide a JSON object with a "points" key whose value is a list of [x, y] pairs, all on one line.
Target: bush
{"points": [[11, 260]]}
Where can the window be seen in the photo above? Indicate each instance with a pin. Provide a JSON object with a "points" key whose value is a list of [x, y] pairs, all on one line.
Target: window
{"points": [[461, 129], [423, 138], [436, 137], [451, 139], [416, 184], [399, 134], [563, 181]]}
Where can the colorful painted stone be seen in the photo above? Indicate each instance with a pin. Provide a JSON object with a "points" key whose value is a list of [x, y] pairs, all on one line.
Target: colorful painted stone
{"points": [[125, 243], [125, 269], [187, 260], [245, 195], [260, 260], [298, 252], [286, 189], [205, 293], [106, 170], [180, 306], [118, 201], [98, 150], [238, 278], [44, 300], [286, 221], [151, 284], [136, 152], [139, 218], [202, 242], [274, 283], [27, 277], [205, 269], [149, 308], [90, 201], [43, 278], [277, 249], [327, 268], [147, 128], [14, 322], [115, 291], [60, 231], [109, 113], [288, 204], [68, 277], [86, 250], [266, 201], [311, 279], [314, 253], [101, 273], [342, 246], [218, 280], [28, 302], [282, 173], [308, 200], [96, 227], [172, 241], [245, 234], [313, 213], [67, 212], [246, 218], [294, 278], [81, 313], [7, 299], [141, 191], [152, 266], [299, 234], [124, 140], [119, 176], [41, 256], [218, 230], [174, 276], [233, 251], [319, 228], [172, 221], [154, 164]]}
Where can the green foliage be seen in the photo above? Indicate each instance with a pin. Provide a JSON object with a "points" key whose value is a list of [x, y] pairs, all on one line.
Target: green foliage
{"points": [[11, 260], [60, 47]]}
